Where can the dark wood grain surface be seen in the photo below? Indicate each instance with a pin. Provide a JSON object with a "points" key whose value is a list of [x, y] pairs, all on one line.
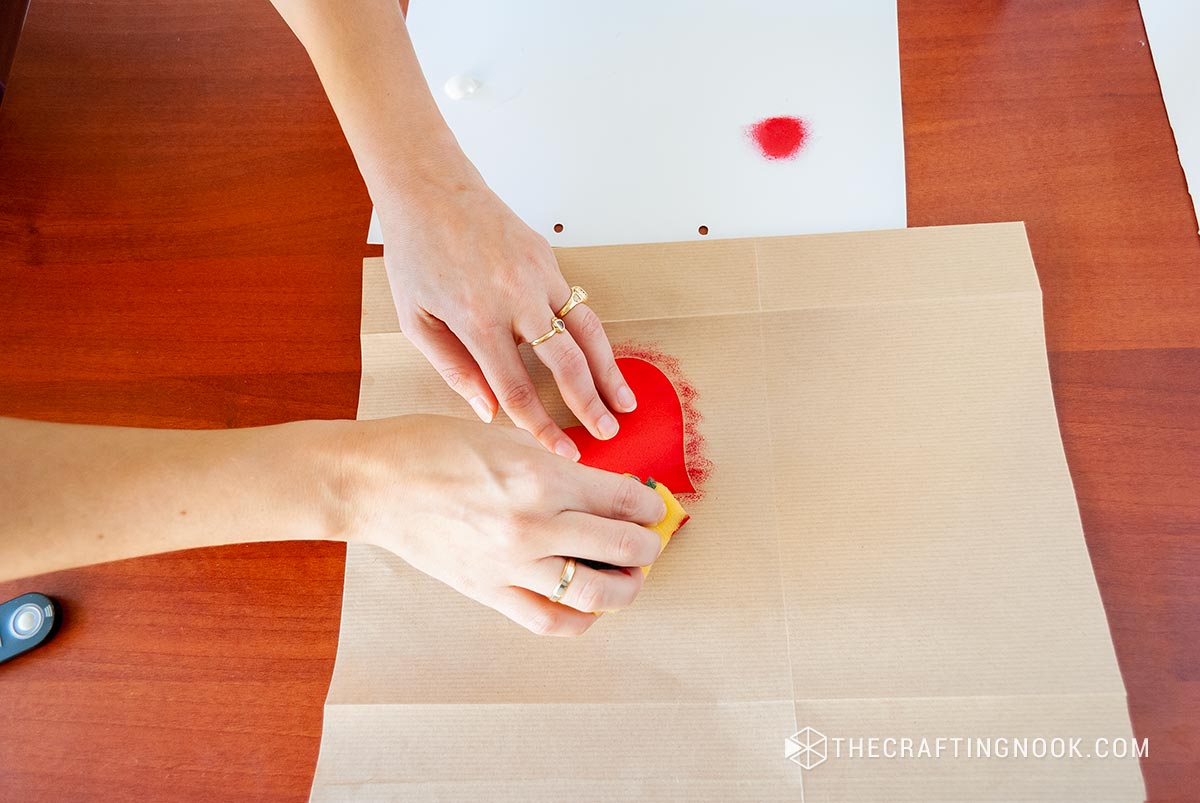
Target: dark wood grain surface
{"points": [[181, 230]]}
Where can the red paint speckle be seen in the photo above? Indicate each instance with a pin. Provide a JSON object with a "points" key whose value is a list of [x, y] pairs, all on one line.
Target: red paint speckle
{"points": [[779, 137]]}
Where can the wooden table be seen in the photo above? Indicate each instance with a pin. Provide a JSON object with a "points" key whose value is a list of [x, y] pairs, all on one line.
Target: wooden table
{"points": [[181, 229]]}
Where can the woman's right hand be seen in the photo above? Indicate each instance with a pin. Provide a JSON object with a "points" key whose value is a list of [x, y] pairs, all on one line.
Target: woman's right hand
{"points": [[489, 512]]}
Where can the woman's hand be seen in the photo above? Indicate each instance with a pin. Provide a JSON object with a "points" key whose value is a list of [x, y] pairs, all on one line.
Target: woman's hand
{"points": [[471, 281], [485, 509], [490, 513]]}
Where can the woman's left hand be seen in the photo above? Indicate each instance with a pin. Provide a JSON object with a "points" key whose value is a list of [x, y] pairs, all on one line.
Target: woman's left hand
{"points": [[471, 281]]}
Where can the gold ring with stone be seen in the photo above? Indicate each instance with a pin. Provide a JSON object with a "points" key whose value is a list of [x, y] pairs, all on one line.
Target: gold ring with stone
{"points": [[578, 296], [557, 326], [564, 580]]}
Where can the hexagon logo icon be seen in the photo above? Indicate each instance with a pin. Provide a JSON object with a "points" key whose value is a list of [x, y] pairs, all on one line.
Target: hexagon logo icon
{"points": [[806, 748]]}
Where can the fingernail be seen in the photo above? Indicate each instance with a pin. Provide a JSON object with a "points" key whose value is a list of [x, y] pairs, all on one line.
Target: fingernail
{"points": [[482, 409], [625, 398], [567, 448], [606, 426]]}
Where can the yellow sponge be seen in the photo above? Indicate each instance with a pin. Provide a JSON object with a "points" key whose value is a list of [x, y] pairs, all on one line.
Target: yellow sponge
{"points": [[676, 516]]}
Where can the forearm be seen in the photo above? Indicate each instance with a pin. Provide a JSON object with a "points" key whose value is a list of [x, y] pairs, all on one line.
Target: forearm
{"points": [[365, 60], [72, 495]]}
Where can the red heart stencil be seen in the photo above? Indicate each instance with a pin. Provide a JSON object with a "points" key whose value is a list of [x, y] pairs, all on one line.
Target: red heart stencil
{"points": [[650, 441]]}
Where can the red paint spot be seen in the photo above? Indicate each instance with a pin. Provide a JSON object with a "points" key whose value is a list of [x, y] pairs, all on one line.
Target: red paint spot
{"points": [[779, 137]]}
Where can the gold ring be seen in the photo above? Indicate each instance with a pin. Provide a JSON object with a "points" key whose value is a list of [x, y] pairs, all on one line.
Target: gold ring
{"points": [[557, 326], [578, 296], [564, 580]]}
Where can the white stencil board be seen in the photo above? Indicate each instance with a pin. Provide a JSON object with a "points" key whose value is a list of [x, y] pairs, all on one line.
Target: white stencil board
{"points": [[1173, 28], [628, 121]]}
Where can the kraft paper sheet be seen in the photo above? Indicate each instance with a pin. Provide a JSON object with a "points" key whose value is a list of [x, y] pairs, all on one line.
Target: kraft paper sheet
{"points": [[888, 545]]}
